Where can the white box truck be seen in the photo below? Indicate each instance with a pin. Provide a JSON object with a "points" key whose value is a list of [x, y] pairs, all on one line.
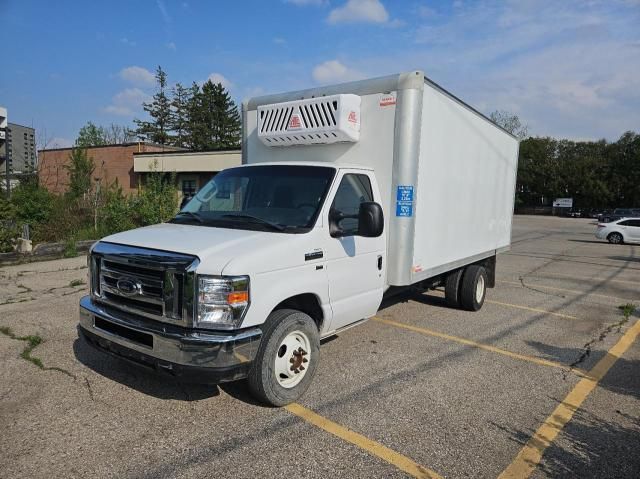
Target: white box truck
{"points": [[346, 193]]}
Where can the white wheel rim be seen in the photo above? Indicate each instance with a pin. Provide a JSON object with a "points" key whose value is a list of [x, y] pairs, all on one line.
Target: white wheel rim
{"points": [[292, 359], [480, 289]]}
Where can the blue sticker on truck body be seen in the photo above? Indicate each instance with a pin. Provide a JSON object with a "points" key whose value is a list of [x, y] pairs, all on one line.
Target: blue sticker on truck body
{"points": [[404, 208], [404, 200], [405, 193]]}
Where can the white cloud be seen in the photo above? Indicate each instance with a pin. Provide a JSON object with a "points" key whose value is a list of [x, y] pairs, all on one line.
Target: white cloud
{"points": [[137, 76], [366, 11], [220, 78], [128, 42], [172, 46], [166, 18], [333, 71], [127, 102], [279, 41], [568, 69]]}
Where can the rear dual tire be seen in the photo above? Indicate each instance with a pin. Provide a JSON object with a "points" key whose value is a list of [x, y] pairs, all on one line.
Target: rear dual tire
{"points": [[466, 288]]}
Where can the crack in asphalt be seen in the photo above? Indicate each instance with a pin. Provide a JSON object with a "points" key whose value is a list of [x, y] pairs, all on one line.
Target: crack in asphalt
{"points": [[628, 309]]}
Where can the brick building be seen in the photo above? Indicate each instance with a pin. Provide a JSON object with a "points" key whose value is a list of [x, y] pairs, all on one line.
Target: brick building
{"points": [[112, 162], [192, 169]]}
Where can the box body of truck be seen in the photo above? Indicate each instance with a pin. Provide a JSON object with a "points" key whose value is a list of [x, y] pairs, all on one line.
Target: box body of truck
{"points": [[446, 173]]}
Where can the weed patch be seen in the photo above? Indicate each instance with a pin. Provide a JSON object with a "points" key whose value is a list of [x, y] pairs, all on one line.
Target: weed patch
{"points": [[32, 341]]}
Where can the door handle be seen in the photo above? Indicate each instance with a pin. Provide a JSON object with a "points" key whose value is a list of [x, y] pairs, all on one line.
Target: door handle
{"points": [[380, 262]]}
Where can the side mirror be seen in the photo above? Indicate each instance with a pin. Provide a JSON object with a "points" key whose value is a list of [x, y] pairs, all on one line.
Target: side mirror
{"points": [[370, 220]]}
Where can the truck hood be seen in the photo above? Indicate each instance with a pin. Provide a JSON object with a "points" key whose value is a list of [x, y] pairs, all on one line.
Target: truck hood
{"points": [[215, 247]]}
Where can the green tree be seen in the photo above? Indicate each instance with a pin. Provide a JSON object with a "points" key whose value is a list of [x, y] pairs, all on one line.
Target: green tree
{"points": [[510, 122], [158, 128], [90, 135], [80, 169], [180, 113], [216, 118]]}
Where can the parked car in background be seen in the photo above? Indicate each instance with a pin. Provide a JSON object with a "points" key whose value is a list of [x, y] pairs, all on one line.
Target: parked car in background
{"points": [[618, 214], [625, 230]]}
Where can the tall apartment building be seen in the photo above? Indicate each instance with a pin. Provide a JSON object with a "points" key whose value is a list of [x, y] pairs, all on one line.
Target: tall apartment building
{"points": [[19, 150]]}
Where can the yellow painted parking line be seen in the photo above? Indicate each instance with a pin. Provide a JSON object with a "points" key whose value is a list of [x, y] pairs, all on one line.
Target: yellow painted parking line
{"points": [[486, 347], [389, 455], [568, 276], [530, 455], [392, 457], [552, 288], [527, 308]]}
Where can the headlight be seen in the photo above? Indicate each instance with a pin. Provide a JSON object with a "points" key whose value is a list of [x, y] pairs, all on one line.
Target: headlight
{"points": [[222, 301]]}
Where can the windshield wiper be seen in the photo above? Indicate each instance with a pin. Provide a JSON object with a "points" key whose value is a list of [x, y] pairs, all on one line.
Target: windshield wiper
{"points": [[257, 219], [191, 214]]}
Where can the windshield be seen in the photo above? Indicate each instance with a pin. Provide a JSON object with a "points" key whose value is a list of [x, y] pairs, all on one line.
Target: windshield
{"points": [[270, 198]]}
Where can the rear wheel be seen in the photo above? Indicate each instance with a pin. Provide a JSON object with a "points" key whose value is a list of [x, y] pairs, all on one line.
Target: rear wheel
{"points": [[473, 288], [452, 288], [287, 358], [615, 238]]}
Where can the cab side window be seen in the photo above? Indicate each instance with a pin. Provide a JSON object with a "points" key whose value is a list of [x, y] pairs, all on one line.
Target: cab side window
{"points": [[353, 190]]}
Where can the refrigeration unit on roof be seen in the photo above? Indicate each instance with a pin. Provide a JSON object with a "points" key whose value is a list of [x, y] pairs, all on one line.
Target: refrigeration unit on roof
{"points": [[322, 120]]}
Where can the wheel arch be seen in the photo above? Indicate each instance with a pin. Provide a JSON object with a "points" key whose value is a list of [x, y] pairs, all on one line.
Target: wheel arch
{"points": [[308, 303]]}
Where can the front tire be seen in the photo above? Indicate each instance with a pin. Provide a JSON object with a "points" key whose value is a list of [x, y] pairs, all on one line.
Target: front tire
{"points": [[615, 238], [474, 287], [287, 358]]}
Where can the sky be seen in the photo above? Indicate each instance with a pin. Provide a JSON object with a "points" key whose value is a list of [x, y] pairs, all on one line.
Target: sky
{"points": [[567, 68]]}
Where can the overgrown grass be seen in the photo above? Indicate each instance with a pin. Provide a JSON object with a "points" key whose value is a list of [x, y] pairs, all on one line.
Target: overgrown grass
{"points": [[627, 309], [32, 341], [70, 248]]}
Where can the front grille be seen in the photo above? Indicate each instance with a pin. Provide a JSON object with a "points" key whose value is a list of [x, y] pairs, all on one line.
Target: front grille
{"points": [[150, 283]]}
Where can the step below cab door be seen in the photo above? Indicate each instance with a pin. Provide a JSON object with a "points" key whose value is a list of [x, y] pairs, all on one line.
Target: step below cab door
{"points": [[355, 264]]}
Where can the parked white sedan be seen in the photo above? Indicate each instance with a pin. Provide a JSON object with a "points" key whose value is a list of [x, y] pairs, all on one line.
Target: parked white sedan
{"points": [[625, 230]]}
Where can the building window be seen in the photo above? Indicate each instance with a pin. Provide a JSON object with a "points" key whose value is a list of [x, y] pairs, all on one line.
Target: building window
{"points": [[188, 188]]}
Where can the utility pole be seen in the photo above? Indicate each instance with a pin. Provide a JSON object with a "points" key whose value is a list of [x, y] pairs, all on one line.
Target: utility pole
{"points": [[3, 148]]}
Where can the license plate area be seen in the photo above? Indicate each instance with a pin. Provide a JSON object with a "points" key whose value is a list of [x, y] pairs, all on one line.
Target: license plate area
{"points": [[137, 337]]}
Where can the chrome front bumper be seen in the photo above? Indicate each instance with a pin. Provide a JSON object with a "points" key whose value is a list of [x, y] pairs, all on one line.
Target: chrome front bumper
{"points": [[222, 356]]}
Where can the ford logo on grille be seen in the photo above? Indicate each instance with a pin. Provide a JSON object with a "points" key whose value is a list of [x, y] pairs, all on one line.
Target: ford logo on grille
{"points": [[129, 286]]}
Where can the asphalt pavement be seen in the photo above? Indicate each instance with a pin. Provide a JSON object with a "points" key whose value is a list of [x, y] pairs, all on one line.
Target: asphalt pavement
{"points": [[544, 381]]}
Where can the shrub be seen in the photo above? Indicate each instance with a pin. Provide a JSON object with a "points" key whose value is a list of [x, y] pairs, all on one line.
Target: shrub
{"points": [[8, 226], [157, 200], [33, 203], [117, 213]]}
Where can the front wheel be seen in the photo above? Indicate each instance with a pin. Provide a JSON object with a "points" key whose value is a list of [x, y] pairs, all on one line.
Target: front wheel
{"points": [[615, 238], [287, 358]]}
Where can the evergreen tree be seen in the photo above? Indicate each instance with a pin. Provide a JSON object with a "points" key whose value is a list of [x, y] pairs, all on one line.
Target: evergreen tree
{"points": [[217, 121], [180, 115], [195, 125], [157, 130]]}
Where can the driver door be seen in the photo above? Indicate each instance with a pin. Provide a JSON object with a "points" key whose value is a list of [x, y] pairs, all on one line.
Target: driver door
{"points": [[355, 264]]}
